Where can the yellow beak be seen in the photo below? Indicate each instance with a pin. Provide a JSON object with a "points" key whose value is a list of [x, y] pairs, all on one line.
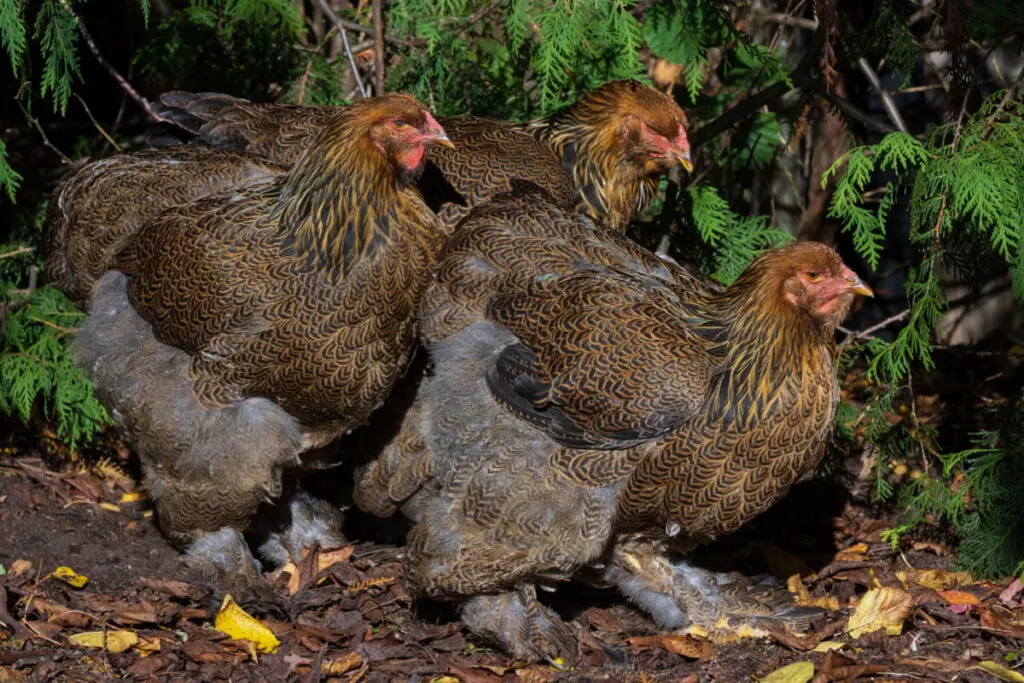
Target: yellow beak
{"points": [[685, 160], [858, 287], [442, 139]]}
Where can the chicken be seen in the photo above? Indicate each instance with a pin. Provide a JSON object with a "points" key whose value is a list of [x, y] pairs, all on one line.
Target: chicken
{"points": [[234, 332], [593, 408], [603, 154], [95, 215]]}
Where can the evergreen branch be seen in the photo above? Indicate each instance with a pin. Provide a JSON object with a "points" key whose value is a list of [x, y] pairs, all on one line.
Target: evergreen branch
{"points": [[60, 328], [121, 80]]}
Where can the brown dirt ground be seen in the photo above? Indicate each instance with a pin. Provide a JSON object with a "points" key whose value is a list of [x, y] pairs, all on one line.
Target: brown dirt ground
{"points": [[351, 619]]}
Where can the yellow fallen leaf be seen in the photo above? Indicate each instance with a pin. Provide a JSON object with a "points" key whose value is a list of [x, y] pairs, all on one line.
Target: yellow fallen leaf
{"points": [[936, 579], [110, 507], [70, 577], [959, 598], [884, 607], [132, 497], [240, 625], [797, 672], [445, 679], [802, 596], [111, 641], [828, 645], [854, 553], [1001, 672]]}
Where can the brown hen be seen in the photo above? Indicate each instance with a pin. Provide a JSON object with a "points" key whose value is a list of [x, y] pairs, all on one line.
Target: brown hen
{"points": [[593, 407], [603, 154], [236, 331]]}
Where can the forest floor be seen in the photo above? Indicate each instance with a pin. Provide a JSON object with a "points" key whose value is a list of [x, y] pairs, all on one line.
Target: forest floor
{"points": [[345, 615]]}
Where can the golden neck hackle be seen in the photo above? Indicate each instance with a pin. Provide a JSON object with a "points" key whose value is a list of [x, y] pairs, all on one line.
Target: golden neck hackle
{"points": [[341, 200]]}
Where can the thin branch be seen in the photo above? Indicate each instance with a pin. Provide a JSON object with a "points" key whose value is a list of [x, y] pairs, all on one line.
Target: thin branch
{"points": [[753, 104], [18, 251], [378, 47], [852, 336], [891, 110], [122, 81], [34, 122], [96, 123], [788, 20], [337, 21]]}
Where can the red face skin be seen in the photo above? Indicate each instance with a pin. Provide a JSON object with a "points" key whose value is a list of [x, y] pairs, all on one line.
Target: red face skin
{"points": [[408, 142], [826, 295], [675, 150]]}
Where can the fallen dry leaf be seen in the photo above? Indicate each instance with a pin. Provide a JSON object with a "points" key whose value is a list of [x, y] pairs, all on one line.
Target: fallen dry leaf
{"points": [[687, 646], [803, 596], [1001, 672], [881, 608], [132, 497], [936, 579], [828, 646], [111, 641], [328, 557], [797, 672], [70, 577], [1010, 593], [240, 625], [338, 666], [855, 553], [959, 598]]}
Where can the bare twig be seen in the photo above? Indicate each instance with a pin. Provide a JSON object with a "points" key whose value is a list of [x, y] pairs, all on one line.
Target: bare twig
{"points": [[787, 20], [18, 251], [34, 122], [753, 104], [852, 336], [342, 25], [891, 110], [122, 81], [96, 123], [378, 48], [304, 79]]}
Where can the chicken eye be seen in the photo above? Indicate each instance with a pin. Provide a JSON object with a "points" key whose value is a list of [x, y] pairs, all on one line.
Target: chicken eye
{"points": [[813, 277], [401, 124]]}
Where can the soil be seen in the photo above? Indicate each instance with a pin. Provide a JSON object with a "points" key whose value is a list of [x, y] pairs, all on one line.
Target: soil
{"points": [[345, 615]]}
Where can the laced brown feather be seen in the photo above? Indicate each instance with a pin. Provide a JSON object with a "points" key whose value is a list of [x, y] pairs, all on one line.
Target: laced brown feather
{"points": [[588, 155], [684, 404]]}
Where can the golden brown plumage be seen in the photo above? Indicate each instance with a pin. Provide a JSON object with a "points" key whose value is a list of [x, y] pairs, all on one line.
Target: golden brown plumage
{"points": [[234, 332], [603, 154], [591, 403]]}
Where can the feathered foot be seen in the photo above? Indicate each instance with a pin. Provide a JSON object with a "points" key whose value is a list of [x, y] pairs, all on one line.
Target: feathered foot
{"points": [[222, 559], [521, 626], [305, 522], [679, 595]]}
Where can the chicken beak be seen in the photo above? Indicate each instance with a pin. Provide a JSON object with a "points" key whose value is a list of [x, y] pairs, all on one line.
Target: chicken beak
{"points": [[441, 138], [685, 160], [858, 287]]}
